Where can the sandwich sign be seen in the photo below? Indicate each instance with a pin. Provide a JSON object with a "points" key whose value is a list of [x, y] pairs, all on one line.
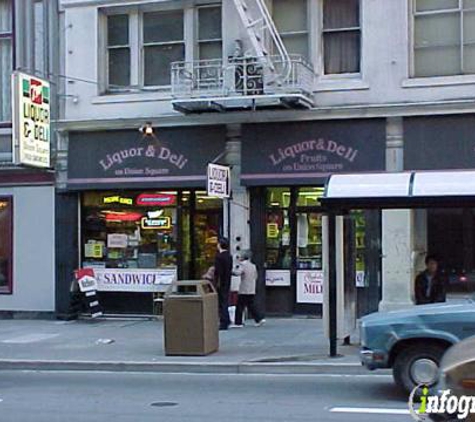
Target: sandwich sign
{"points": [[32, 123]]}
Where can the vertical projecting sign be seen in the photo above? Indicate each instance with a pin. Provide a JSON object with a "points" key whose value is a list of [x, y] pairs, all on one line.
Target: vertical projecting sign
{"points": [[219, 181], [31, 120]]}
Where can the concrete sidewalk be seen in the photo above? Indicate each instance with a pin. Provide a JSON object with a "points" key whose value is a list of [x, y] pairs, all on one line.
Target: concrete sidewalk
{"points": [[294, 345]]}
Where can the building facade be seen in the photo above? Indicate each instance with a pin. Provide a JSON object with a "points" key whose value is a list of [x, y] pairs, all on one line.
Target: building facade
{"points": [[27, 195], [347, 86]]}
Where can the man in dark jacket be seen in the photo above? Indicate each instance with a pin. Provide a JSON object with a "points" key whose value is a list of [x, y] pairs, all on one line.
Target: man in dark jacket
{"points": [[223, 267], [430, 284]]}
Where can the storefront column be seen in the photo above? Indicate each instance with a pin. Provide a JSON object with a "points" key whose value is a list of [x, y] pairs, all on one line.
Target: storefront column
{"points": [[397, 232], [237, 213], [398, 267]]}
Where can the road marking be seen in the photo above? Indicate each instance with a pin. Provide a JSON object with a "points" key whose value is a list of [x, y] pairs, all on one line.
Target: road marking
{"points": [[370, 411], [30, 338]]}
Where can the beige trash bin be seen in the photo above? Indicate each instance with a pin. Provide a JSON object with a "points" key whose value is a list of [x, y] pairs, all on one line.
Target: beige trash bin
{"points": [[191, 323]]}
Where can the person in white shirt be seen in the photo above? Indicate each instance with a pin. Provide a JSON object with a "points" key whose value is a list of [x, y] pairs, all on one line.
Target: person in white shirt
{"points": [[247, 291]]}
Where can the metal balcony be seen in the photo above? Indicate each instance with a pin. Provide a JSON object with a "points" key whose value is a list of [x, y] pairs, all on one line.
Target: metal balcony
{"points": [[242, 83]]}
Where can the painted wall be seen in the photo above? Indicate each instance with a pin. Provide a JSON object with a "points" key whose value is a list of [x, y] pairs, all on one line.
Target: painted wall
{"points": [[33, 260], [385, 76]]}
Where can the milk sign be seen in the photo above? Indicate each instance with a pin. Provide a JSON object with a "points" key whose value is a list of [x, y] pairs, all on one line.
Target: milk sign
{"points": [[219, 181], [309, 286], [31, 117]]}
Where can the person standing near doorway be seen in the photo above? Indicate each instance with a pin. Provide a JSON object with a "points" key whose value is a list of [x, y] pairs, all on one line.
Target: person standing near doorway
{"points": [[247, 291], [223, 267], [430, 286]]}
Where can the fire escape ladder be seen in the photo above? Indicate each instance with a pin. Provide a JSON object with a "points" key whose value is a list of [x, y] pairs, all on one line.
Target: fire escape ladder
{"points": [[264, 36]]}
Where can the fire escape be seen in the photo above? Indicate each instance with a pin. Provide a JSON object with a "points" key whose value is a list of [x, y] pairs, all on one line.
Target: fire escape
{"points": [[263, 76]]}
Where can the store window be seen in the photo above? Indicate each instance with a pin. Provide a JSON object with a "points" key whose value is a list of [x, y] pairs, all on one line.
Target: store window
{"points": [[130, 230], [6, 245], [151, 229], [278, 236], [309, 229], [341, 36], [444, 37], [291, 19], [6, 59]]}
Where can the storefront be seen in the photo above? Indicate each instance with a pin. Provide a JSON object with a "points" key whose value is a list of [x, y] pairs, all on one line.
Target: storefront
{"points": [[286, 176], [144, 216], [446, 143], [27, 269]]}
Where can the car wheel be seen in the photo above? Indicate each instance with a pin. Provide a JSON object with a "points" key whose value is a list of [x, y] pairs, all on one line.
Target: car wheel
{"points": [[416, 365]]}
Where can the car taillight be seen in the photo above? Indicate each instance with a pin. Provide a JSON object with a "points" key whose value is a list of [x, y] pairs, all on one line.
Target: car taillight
{"points": [[468, 384]]}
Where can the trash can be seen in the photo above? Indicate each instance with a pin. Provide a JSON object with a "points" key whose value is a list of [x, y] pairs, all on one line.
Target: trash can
{"points": [[191, 323]]}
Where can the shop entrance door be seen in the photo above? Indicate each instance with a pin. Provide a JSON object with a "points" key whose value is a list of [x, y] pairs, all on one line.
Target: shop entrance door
{"points": [[206, 227]]}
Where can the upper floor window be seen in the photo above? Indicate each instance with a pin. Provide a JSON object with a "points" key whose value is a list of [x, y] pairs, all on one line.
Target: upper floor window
{"points": [[341, 36], [118, 51], [291, 20], [141, 46], [444, 37], [6, 59], [210, 42]]}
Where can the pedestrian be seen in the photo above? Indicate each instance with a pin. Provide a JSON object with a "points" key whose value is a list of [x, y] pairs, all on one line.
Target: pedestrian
{"points": [[430, 285], [247, 291], [223, 267]]}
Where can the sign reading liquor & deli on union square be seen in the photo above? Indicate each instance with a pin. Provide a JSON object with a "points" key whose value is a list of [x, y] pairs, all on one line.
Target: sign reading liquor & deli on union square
{"points": [[127, 159], [307, 152], [31, 120]]}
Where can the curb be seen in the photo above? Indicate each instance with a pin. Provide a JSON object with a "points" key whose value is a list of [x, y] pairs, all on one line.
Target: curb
{"points": [[225, 368]]}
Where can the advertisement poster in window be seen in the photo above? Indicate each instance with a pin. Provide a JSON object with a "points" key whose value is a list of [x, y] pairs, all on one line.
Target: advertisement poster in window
{"points": [[310, 287], [277, 278], [31, 120]]}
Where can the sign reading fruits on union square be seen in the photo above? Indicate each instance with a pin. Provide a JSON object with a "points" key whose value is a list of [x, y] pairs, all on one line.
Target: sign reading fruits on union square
{"points": [[298, 153], [32, 123]]}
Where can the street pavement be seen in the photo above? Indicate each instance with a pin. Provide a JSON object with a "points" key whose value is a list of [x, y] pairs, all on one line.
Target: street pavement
{"points": [[29, 396], [292, 345]]}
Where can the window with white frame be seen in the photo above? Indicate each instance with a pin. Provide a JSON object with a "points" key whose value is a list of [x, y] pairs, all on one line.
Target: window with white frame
{"points": [[444, 37], [6, 58], [291, 20], [210, 43], [341, 36], [163, 44], [118, 51], [142, 45]]}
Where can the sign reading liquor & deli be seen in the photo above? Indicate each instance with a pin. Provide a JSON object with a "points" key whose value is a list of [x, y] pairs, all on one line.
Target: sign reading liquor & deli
{"points": [[294, 153], [31, 120], [219, 181], [127, 159]]}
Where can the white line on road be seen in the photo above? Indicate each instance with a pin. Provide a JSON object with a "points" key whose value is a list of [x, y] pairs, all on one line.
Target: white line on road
{"points": [[30, 338], [370, 411], [196, 374]]}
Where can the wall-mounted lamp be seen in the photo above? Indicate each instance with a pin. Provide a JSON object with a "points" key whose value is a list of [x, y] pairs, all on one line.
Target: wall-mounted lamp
{"points": [[147, 129]]}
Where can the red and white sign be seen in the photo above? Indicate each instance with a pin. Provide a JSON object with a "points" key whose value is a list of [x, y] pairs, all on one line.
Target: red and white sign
{"points": [[156, 199], [86, 280], [309, 286]]}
